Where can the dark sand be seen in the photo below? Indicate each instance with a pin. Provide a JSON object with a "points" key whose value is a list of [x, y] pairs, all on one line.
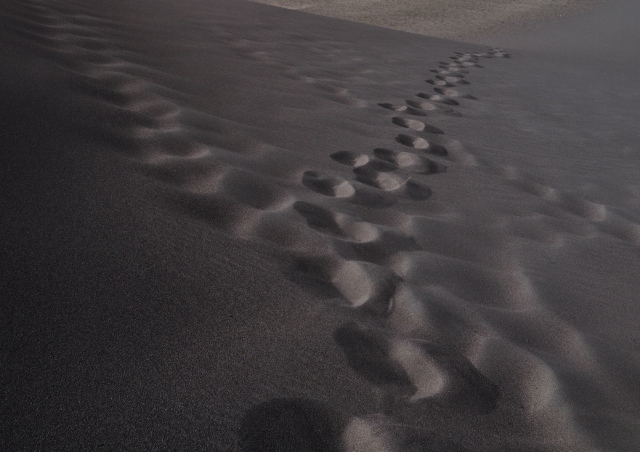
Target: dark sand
{"points": [[229, 226]]}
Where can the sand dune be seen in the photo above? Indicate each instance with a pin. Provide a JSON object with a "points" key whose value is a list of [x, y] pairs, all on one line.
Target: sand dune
{"points": [[229, 226], [467, 20]]}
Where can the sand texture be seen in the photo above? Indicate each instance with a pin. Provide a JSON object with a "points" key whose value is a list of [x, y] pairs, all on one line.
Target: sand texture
{"points": [[466, 20], [229, 226]]}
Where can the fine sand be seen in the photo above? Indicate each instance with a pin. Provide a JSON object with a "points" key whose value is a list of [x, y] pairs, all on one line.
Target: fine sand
{"points": [[230, 226], [466, 20]]}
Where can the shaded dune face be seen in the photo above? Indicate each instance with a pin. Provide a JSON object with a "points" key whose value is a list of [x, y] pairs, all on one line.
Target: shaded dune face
{"points": [[327, 185], [419, 369], [368, 356], [432, 313], [292, 425]]}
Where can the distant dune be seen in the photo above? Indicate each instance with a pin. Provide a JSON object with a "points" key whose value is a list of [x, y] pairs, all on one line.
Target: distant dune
{"points": [[465, 20]]}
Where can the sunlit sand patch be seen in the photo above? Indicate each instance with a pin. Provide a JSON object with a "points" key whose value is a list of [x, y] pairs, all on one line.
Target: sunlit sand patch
{"points": [[327, 185], [362, 435], [423, 371], [350, 158], [393, 107], [412, 141]]}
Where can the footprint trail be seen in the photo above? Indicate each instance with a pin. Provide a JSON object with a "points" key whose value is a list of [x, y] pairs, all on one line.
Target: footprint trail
{"points": [[439, 310]]}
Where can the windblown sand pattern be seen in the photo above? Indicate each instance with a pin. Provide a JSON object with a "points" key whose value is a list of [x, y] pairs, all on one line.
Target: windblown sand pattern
{"points": [[440, 320], [464, 20]]}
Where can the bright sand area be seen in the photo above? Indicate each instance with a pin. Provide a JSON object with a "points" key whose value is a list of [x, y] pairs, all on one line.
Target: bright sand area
{"points": [[228, 226], [465, 20]]}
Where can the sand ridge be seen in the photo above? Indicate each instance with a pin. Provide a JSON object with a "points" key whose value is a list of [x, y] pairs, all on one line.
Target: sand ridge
{"points": [[441, 312], [466, 20]]}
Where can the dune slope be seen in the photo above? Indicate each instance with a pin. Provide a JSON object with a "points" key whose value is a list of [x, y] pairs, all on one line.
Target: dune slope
{"points": [[229, 226]]}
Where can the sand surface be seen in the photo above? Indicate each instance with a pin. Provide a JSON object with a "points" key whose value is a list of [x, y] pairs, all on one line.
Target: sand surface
{"points": [[466, 20], [230, 226]]}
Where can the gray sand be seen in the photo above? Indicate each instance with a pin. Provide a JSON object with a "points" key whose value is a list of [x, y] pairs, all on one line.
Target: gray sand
{"points": [[229, 226]]}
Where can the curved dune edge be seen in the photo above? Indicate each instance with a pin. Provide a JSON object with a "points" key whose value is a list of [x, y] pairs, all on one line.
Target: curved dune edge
{"points": [[466, 20], [441, 311]]}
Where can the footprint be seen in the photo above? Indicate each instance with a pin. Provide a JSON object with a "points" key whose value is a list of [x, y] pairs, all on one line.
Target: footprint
{"points": [[420, 368], [350, 158], [452, 79], [426, 106], [447, 92], [437, 315], [416, 190], [327, 185], [363, 286], [418, 126], [447, 73], [371, 174], [408, 123], [424, 373], [497, 53], [412, 142], [466, 384], [372, 197], [450, 93], [378, 165], [366, 286], [440, 83], [393, 107], [379, 249], [457, 153], [369, 434], [368, 355], [439, 98], [454, 73], [387, 155], [319, 218], [409, 161], [465, 59], [460, 65], [438, 149], [336, 223], [416, 111]]}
